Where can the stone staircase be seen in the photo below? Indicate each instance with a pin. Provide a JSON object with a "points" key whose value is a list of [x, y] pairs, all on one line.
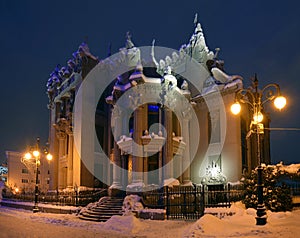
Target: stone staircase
{"points": [[102, 210]]}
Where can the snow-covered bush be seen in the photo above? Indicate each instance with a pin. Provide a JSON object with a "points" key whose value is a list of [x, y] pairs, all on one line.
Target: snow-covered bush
{"points": [[276, 194], [132, 203], [1, 189]]}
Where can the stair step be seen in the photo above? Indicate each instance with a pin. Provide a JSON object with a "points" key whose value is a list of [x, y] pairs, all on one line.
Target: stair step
{"points": [[105, 209], [92, 219], [96, 218], [108, 203], [109, 207], [100, 216], [104, 212]]}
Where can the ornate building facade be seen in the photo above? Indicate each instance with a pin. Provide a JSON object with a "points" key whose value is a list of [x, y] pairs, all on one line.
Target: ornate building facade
{"points": [[129, 121]]}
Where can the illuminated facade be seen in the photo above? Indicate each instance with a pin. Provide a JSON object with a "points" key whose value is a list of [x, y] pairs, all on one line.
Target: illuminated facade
{"points": [[172, 114], [21, 178]]}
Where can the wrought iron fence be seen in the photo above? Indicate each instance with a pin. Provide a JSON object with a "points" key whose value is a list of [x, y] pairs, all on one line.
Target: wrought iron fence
{"points": [[66, 198], [293, 184], [189, 202], [184, 202], [180, 202], [295, 189], [222, 196]]}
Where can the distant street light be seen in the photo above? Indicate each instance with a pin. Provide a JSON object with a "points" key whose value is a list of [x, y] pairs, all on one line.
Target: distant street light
{"points": [[256, 98], [34, 157]]}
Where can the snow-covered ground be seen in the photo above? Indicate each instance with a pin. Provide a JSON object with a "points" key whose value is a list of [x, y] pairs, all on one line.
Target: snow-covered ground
{"points": [[23, 223]]}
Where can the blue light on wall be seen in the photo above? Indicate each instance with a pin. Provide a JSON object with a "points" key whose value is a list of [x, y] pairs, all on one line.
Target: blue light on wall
{"points": [[153, 108]]}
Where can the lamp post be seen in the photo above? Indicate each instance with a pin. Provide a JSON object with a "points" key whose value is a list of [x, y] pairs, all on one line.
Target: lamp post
{"points": [[256, 98], [33, 157]]}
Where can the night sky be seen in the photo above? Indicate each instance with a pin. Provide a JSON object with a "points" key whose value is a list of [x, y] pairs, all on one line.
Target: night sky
{"points": [[255, 36]]}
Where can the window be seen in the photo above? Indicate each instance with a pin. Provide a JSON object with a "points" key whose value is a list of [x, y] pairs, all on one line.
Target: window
{"points": [[214, 127], [25, 171], [33, 181], [24, 180]]}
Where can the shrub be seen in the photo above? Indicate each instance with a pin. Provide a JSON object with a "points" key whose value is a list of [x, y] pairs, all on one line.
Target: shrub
{"points": [[276, 194]]}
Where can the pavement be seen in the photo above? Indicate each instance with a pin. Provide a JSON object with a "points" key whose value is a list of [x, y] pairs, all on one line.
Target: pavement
{"points": [[43, 207]]}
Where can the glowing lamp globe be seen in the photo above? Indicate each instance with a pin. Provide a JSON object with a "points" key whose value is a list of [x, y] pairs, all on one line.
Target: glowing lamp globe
{"points": [[27, 156], [36, 153], [280, 102], [235, 108], [258, 117], [49, 157]]}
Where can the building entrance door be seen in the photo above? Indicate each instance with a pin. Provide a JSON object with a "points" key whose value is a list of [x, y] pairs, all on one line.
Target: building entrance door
{"points": [[153, 177]]}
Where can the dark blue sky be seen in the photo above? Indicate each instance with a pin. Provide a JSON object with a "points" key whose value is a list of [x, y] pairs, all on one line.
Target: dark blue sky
{"points": [[255, 36]]}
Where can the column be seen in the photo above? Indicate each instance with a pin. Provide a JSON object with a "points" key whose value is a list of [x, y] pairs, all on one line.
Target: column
{"points": [[70, 161], [140, 124], [168, 147], [145, 169], [124, 162], [161, 152], [177, 158], [124, 158], [61, 152], [176, 125], [186, 163], [116, 167], [116, 186]]}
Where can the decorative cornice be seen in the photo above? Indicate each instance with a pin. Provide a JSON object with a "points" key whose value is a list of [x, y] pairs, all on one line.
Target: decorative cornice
{"points": [[62, 128], [203, 98], [61, 135]]}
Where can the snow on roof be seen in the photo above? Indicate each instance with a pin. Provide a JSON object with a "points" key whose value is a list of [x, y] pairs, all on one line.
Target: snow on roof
{"points": [[292, 168]]}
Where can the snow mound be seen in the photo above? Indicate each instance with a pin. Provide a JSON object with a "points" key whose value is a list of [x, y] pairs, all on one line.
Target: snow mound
{"points": [[137, 187], [209, 224], [171, 182], [124, 224], [237, 208], [251, 211], [132, 203], [278, 215], [235, 225]]}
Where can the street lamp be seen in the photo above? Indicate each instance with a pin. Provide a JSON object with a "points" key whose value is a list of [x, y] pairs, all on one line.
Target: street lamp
{"points": [[34, 157], [256, 98]]}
